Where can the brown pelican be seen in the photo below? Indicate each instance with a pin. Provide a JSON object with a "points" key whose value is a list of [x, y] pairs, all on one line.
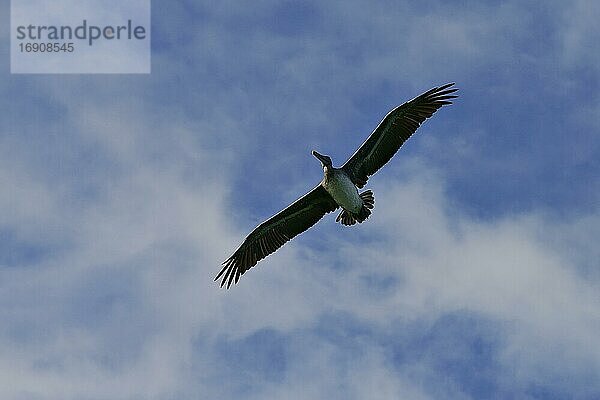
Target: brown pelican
{"points": [[339, 185]]}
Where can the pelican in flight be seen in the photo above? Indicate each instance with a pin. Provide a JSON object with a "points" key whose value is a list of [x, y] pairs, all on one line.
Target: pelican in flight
{"points": [[339, 187]]}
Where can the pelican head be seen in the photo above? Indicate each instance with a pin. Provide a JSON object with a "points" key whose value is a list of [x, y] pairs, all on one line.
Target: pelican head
{"points": [[325, 160]]}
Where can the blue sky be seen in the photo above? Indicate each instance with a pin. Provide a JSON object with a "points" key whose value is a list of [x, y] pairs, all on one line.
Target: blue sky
{"points": [[476, 277]]}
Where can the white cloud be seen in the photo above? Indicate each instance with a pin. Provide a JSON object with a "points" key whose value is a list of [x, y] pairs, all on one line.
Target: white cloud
{"points": [[127, 307], [168, 237], [578, 34]]}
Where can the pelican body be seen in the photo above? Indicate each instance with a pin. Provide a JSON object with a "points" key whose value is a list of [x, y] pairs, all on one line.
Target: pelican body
{"points": [[355, 207], [339, 187]]}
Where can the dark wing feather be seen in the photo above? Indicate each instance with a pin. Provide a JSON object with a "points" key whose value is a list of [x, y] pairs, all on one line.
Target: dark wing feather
{"points": [[275, 232], [393, 131]]}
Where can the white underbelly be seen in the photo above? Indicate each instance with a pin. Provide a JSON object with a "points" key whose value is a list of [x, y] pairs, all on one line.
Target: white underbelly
{"points": [[343, 191]]}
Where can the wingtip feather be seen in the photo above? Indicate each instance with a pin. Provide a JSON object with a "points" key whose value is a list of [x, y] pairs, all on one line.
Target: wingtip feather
{"points": [[447, 85]]}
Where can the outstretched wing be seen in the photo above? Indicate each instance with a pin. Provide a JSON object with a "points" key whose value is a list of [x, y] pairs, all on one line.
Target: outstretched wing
{"points": [[275, 232], [393, 131]]}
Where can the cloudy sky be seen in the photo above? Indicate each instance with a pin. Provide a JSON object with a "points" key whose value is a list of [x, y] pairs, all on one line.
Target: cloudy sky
{"points": [[476, 277]]}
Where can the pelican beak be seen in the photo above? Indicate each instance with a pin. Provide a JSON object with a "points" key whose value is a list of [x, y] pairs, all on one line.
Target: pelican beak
{"points": [[319, 157]]}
